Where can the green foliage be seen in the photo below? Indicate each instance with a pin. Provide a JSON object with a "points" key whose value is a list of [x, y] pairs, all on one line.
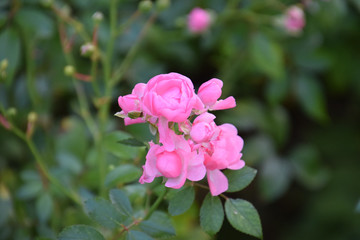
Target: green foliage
{"points": [[80, 232], [136, 235], [211, 214], [240, 179], [297, 111], [121, 201], [267, 56], [243, 216], [104, 213], [181, 201], [158, 225], [10, 49], [122, 174]]}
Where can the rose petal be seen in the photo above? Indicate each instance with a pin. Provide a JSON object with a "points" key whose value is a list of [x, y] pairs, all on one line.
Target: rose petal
{"points": [[224, 104], [218, 182]]}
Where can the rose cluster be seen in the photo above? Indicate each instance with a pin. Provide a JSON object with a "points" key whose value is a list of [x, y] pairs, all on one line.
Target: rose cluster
{"points": [[191, 145]]}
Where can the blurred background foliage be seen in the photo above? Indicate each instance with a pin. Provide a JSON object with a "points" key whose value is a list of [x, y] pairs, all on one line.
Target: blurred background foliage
{"points": [[297, 109]]}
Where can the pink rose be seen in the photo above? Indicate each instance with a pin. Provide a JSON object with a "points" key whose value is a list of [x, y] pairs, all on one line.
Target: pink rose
{"points": [[199, 20], [170, 95], [294, 19], [209, 93], [177, 165]]}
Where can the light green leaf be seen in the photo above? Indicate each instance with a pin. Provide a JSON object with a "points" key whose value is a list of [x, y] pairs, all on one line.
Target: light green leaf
{"points": [[44, 206], [80, 232], [121, 201], [113, 145], [240, 179], [181, 201], [267, 56], [136, 235], [30, 190], [243, 216], [104, 213], [276, 91], [122, 174], [211, 214], [311, 97], [158, 225], [10, 49]]}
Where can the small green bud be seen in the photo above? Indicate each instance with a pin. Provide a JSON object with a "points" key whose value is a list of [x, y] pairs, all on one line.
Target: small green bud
{"points": [[97, 17], [87, 49], [4, 64], [162, 4], [145, 5], [111, 167], [69, 70], [32, 117], [12, 111]]}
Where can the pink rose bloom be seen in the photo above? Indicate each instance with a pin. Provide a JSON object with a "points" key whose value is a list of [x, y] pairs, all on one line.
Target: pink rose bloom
{"points": [[209, 93], [294, 19], [171, 96], [199, 20], [131, 103], [177, 165], [223, 152]]}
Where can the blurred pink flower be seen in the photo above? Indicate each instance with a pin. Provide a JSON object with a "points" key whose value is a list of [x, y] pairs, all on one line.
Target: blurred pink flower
{"points": [[199, 20], [170, 95], [294, 20]]}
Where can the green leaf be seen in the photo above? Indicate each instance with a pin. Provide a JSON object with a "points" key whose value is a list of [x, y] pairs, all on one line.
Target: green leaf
{"points": [[30, 190], [276, 91], [181, 201], [240, 179], [10, 50], [243, 216], [211, 214], [104, 213], [80, 232], [311, 97], [136, 235], [158, 225], [267, 56], [111, 144], [122, 174], [132, 142], [44, 206], [121, 201]]}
